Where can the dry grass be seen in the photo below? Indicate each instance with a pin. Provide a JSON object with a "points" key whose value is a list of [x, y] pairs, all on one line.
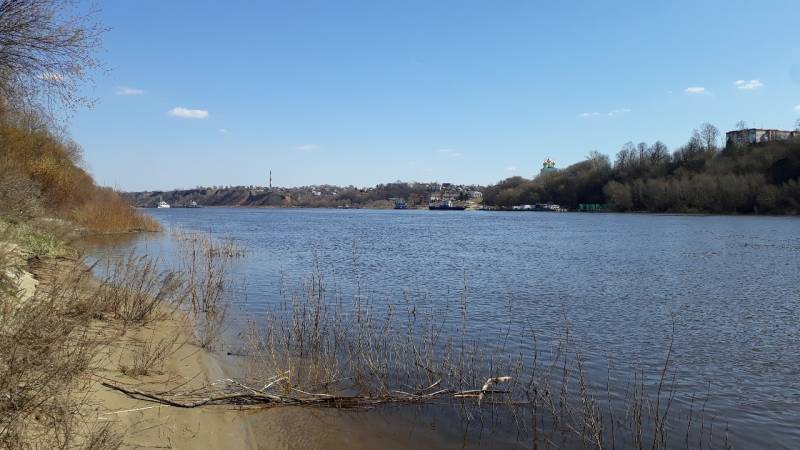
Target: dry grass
{"points": [[48, 343], [35, 239], [105, 211], [45, 349], [103, 437], [136, 291], [148, 356]]}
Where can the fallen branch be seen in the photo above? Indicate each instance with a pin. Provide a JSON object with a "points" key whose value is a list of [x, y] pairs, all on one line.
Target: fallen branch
{"points": [[248, 396], [135, 393], [489, 383]]}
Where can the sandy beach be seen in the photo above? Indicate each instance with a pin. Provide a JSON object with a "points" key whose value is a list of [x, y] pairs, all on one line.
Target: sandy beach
{"points": [[150, 425], [182, 366]]}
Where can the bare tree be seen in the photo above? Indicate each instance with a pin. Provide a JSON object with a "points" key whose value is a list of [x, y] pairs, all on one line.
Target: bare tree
{"points": [[658, 153], [46, 49], [741, 125], [626, 158], [600, 158], [797, 125], [695, 142], [641, 147], [709, 136], [599, 161]]}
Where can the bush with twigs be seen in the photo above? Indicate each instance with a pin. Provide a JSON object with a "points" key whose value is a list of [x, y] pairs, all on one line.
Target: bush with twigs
{"points": [[45, 351], [149, 355], [135, 290]]}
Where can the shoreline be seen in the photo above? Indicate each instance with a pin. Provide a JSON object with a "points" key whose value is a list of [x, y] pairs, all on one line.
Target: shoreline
{"points": [[640, 213], [183, 365]]}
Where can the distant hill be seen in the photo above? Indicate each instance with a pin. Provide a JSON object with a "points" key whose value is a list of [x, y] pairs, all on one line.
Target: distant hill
{"points": [[380, 196]]}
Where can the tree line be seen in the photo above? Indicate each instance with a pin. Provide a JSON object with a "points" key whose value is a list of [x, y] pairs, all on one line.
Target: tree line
{"points": [[699, 177]]}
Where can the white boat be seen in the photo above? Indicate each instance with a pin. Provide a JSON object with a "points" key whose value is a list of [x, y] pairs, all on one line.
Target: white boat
{"points": [[163, 204]]}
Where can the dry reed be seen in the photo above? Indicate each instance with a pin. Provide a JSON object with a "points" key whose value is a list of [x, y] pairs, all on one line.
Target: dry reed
{"points": [[106, 211], [203, 265]]}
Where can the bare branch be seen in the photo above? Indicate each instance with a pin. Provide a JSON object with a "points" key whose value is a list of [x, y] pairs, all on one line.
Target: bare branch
{"points": [[47, 48]]}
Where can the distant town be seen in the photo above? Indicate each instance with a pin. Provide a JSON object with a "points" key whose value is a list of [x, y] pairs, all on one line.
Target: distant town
{"points": [[700, 176], [399, 195]]}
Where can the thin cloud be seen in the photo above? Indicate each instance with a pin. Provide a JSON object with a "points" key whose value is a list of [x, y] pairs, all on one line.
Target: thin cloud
{"points": [[511, 169], [695, 90], [616, 112], [307, 147], [797, 108], [126, 90], [224, 131], [449, 152], [186, 113], [748, 85], [612, 113]]}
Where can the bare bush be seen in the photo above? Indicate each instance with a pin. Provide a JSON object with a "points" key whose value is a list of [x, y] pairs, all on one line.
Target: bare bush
{"points": [[20, 196], [106, 211], [136, 290], [45, 349], [148, 356]]}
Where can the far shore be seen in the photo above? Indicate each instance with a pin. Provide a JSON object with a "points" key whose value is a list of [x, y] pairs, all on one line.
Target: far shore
{"points": [[648, 213]]}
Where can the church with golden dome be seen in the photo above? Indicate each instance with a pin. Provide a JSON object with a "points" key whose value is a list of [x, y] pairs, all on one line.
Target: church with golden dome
{"points": [[548, 166]]}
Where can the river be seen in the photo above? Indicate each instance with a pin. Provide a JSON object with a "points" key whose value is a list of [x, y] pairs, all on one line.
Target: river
{"points": [[729, 285]]}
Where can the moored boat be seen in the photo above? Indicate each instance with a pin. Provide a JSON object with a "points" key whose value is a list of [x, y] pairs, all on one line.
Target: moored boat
{"points": [[446, 206]]}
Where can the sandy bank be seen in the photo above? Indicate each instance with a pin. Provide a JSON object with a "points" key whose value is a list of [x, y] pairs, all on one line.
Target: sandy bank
{"points": [[181, 365], [149, 425]]}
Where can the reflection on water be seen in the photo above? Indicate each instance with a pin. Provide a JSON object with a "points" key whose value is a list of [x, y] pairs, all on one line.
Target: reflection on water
{"points": [[100, 243], [730, 283]]}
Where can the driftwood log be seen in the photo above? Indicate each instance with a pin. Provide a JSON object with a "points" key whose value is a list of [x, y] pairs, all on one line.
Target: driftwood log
{"points": [[242, 395]]}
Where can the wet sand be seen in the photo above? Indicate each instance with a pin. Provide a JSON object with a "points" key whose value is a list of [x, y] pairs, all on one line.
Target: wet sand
{"points": [[149, 425]]}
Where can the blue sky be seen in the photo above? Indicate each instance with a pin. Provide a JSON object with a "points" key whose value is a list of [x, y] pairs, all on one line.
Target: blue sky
{"points": [[346, 92]]}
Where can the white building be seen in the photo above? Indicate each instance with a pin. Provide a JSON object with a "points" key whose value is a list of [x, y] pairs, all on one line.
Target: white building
{"points": [[759, 135]]}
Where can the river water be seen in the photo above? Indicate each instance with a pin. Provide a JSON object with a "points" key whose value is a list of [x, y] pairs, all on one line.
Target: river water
{"points": [[730, 286]]}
